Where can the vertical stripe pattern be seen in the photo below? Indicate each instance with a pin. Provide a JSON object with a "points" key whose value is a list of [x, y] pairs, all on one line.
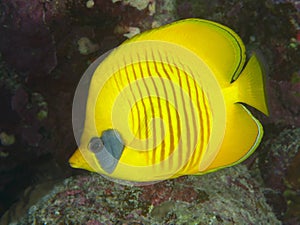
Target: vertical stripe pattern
{"points": [[165, 104]]}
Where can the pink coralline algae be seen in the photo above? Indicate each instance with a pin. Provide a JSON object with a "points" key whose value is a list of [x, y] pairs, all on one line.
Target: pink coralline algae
{"points": [[167, 191], [228, 196]]}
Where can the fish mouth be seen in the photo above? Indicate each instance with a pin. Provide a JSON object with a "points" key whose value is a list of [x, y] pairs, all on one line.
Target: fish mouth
{"points": [[78, 161], [73, 165]]}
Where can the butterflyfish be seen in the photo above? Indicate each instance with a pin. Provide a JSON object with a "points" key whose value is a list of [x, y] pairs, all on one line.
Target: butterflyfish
{"points": [[169, 102]]}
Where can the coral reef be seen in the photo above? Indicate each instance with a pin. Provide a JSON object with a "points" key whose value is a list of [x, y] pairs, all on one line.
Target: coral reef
{"points": [[279, 166], [40, 66], [46, 46], [229, 196]]}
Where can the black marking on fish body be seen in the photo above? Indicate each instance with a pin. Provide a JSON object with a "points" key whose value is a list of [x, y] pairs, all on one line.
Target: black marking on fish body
{"points": [[170, 62]]}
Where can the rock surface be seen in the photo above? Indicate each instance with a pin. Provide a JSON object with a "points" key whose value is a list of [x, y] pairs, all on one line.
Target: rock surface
{"points": [[229, 196], [41, 59]]}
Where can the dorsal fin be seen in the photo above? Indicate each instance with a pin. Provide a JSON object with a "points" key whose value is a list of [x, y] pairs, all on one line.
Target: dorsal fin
{"points": [[219, 46]]}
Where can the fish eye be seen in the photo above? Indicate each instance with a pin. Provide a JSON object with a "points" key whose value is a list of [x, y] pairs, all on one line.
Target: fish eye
{"points": [[95, 145]]}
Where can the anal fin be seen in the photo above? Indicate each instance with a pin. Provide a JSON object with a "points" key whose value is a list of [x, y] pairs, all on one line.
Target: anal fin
{"points": [[243, 135]]}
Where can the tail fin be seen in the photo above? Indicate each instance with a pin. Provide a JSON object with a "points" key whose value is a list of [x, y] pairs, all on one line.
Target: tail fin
{"points": [[251, 84]]}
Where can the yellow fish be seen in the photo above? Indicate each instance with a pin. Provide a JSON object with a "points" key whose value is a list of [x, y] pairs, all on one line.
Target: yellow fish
{"points": [[170, 102]]}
